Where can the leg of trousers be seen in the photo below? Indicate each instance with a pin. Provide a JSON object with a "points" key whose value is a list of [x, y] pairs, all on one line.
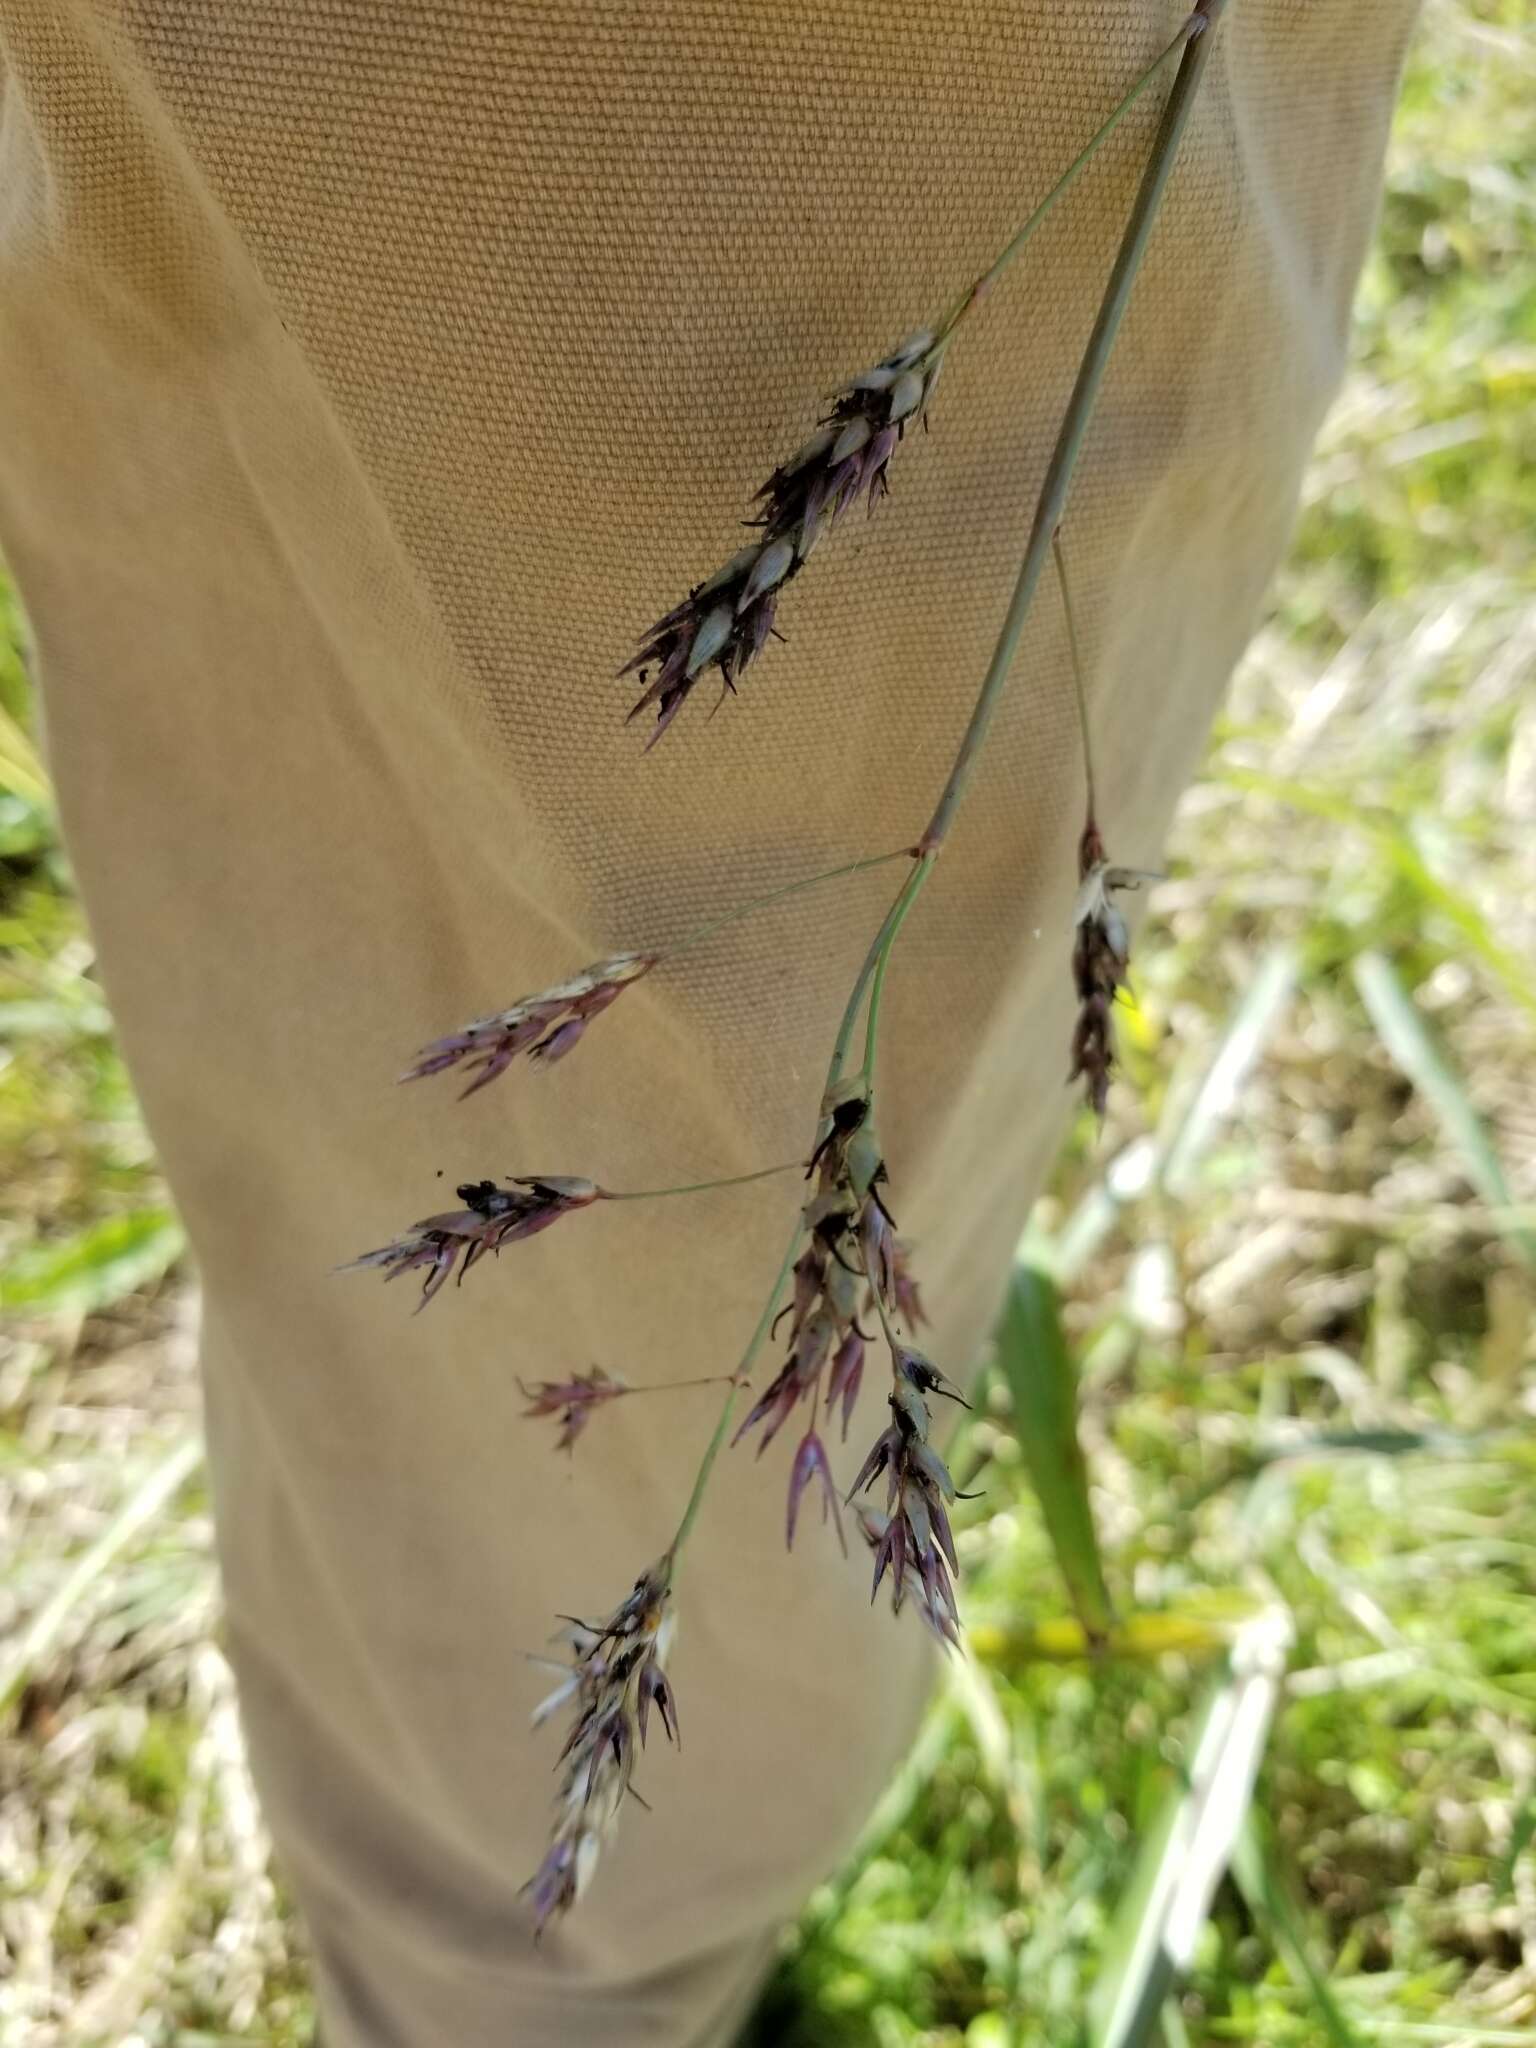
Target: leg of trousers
{"points": [[370, 375]]}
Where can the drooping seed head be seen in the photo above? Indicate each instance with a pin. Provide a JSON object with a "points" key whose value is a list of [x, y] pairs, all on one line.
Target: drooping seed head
{"points": [[846, 458], [913, 1538], [573, 1400], [544, 1027], [493, 1216], [617, 1674], [1101, 948]]}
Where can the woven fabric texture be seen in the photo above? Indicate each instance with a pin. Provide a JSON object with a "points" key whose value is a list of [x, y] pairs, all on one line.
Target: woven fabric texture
{"points": [[370, 376]]}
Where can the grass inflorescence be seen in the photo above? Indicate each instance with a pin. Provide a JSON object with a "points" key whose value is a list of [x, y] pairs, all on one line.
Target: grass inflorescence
{"points": [[1298, 1304]]}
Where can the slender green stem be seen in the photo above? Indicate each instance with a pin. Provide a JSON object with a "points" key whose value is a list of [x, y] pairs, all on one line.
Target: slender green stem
{"points": [[1068, 178], [891, 931], [709, 1379], [895, 917], [756, 903], [1074, 425], [700, 1187], [1078, 682], [727, 1407]]}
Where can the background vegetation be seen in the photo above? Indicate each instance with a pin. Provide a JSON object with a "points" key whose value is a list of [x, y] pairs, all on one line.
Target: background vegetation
{"points": [[1296, 1282]]}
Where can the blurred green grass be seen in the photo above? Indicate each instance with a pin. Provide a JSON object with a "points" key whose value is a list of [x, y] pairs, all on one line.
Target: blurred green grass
{"points": [[1296, 1290]]}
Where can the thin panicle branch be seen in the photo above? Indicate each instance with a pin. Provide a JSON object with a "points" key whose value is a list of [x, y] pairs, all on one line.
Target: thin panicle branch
{"points": [[492, 1216], [700, 1187], [575, 1400], [495, 1215], [549, 1025], [969, 300], [1079, 685], [717, 1438]]}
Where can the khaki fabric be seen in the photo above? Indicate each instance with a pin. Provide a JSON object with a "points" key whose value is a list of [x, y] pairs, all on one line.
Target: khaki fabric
{"points": [[370, 376]]}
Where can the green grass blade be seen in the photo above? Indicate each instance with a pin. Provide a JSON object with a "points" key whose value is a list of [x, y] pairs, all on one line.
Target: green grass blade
{"points": [[1390, 839], [1303, 1446], [1042, 1381], [1183, 1142], [1521, 1836], [1268, 1898], [95, 1269], [1405, 1035], [155, 1490], [1192, 1840]]}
